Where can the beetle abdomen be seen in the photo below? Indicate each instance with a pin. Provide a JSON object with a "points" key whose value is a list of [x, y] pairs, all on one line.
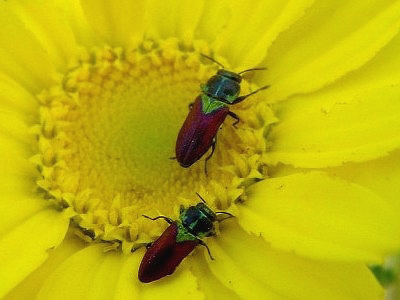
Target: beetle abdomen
{"points": [[164, 255], [197, 133]]}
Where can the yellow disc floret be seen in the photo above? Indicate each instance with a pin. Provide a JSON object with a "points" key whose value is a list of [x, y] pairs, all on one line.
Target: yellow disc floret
{"points": [[107, 133]]}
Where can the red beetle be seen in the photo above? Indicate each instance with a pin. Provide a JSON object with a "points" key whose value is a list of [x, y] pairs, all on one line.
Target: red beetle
{"points": [[198, 132], [177, 241], [164, 255]]}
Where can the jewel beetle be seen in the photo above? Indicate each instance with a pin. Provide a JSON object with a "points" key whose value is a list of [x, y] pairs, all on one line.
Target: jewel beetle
{"points": [[207, 113], [178, 240]]}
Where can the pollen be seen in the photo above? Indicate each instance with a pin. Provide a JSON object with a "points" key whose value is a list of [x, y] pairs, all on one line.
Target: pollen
{"points": [[106, 138]]}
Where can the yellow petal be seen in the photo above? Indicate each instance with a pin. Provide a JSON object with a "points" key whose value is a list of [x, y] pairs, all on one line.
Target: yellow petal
{"points": [[94, 274], [13, 128], [318, 216], [87, 271], [49, 27], [17, 174], [182, 284], [253, 27], [330, 128], [15, 149], [25, 246], [30, 286], [16, 142], [107, 275], [117, 22], [333, 39], [73, 12], [208, 283], [13, 96], [23, 58], [17, 177], [382, 71], [380, 175], [215, 18], [174, 18], [188, 18], [16, 207], [248, 266]]}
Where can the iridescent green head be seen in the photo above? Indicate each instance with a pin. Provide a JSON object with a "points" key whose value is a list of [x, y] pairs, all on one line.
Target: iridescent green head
{"points": [[224, 86], [198, 220]]}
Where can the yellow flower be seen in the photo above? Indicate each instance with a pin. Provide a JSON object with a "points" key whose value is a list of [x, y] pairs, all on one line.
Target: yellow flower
{"points": [[93, 94]]}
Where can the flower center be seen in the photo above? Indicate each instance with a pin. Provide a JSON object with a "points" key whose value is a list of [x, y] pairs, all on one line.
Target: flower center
{"points": [[107, 136]]}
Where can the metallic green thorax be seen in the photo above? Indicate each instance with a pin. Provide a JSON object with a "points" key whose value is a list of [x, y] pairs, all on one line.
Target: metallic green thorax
{"points": [[183, 234], [195, 223], [210, 104]]}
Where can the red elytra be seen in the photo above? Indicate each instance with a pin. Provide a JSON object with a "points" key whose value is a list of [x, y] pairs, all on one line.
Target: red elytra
{"points": [[164, 255], [197, 133]]}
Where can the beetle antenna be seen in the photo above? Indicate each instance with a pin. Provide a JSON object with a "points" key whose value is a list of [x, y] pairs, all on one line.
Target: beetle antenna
{"points": [[213, 60], [201, 198], [252, 69], [224, 213]]}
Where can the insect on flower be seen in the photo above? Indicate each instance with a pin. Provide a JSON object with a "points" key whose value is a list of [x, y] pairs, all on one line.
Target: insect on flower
{"points": [[207, 113], [178, 240]]}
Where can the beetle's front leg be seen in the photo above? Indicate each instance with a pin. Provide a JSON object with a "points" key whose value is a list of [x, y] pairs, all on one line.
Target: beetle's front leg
{"points": [[147, 245], [236, 117], [208, 249], [168, 220]]}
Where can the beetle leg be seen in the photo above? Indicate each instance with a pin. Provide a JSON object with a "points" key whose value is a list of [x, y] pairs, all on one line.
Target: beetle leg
{"points": [[235, 116], [160, 217], [208, 249], [241, 98], [214, 142], [147, 245]]}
